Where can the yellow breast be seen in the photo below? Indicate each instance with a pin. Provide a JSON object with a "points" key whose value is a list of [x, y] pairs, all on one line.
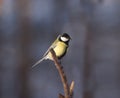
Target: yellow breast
{"points": [[59, 50]]}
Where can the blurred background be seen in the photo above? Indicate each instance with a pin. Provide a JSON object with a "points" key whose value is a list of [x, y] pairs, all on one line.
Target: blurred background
{"points": [[28, 27]]}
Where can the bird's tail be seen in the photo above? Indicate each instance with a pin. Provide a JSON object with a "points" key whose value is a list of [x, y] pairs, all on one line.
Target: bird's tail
{"points": [[38, 62]]}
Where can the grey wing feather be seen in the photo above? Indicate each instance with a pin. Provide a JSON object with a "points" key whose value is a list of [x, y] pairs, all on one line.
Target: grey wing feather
{"points": [[52, 46], [44, 56], [38, 62], [48, 50]]}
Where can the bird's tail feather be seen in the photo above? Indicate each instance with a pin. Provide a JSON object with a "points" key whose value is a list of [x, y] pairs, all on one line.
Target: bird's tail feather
{"points": [[38, 62]]}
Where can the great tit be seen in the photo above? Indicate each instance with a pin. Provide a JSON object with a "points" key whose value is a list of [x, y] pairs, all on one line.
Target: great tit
{"points": [[60, 46]]}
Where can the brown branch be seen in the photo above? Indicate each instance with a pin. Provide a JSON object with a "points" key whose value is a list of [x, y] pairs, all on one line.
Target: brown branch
{"points": [[62, 75], [61, 96]]}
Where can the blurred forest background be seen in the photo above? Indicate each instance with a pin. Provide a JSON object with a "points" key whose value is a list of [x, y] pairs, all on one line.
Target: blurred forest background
{"points": [[28, 27]]}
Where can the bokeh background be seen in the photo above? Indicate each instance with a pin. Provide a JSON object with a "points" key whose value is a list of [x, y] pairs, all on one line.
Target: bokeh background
{"points": [[28, 27]]}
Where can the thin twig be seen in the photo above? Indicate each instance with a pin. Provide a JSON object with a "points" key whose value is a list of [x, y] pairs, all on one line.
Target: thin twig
{"points": [[62, 74], [71, 89]]}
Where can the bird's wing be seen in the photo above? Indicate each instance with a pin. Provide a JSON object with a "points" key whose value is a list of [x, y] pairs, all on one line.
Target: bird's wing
{"points": [[38, 62], [44, 56], [52, 46]]}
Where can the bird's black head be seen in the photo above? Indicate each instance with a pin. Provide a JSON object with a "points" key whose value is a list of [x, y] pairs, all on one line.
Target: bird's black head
{"points": [[64, 38]]}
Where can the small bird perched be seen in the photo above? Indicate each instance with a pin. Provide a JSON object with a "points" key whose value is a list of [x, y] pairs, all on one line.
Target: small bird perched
{"points": [[60, 46]]}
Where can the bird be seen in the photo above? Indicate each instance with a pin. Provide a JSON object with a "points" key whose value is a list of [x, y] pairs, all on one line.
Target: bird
{"points": [[59, 46]]}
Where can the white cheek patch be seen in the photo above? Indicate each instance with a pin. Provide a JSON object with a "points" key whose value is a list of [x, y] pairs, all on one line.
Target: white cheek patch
{"points": [[64, 39]]}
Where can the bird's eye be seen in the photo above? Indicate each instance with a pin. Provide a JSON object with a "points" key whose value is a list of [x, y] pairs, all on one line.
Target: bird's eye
{"points": [[64, 39]]}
